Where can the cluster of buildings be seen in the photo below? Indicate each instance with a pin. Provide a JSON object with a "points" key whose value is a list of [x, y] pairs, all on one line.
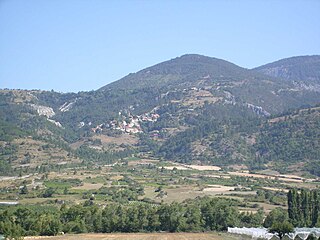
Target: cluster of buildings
{"points": [[130, 124]]}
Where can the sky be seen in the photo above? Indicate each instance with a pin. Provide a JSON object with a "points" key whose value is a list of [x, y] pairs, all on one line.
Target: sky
{"points": [[82, 45]]}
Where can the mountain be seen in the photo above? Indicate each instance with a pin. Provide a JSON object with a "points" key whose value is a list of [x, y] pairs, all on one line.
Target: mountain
{"points": [[190, 109], [302, 69], [286, 143], [291, 139], [172, 82], [182, 70], [32, 141]]}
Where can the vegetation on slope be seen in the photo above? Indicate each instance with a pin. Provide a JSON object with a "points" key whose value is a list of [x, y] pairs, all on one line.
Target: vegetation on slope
{"points": [[209, 110], [291, 139], [303, 68], [201, 214]]}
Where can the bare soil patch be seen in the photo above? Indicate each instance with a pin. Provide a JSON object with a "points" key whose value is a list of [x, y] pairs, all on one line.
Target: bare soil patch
{"points": [[121, 139], [254, 175], [143, 236], [88, 186], [142, 162], [177, 167], [116, 177], [199, 97], [205, 168], [195, 167], [276, 189], [175, 193], [218, 189]]}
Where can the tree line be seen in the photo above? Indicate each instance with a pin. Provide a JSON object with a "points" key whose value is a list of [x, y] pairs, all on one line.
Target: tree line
{"points": [[203, 214], [200, 214], [304, 207]]}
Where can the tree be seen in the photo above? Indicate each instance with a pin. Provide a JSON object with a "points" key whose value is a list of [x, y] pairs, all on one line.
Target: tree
{"points": [[25, 218], [281, 228], [171, 217], [193, 218], [48, 192], [77, 226], [24, 190], [303, 208], [219, 214], [48, 225], [11, 230], [252, 219], [276, 215]]}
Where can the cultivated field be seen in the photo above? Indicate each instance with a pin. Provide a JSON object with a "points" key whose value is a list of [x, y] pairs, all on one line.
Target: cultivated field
{"points": [[146, 236], [152, 181]]}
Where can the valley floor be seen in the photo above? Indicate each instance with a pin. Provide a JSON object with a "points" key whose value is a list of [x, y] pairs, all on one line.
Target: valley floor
{"points": [[144, 236]]}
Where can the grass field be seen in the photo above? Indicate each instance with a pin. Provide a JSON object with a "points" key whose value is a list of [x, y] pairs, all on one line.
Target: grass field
{"points": [[160, 181], [146, 236]]}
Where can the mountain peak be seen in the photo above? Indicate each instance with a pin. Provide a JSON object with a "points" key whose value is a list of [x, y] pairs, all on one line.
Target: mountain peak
{"points": [[193, 56], [183, 69], [196, 59]]}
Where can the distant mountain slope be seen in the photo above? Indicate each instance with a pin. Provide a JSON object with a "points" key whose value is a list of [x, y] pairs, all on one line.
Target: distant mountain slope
{"points": [[290, 142], [290, 139], [191, 108], [304, 69], [185, 69], [220, 77], [32, 141], [186, 82]]}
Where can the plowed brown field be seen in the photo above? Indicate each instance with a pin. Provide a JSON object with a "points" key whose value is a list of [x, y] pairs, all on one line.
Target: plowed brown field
{"points": [[144, 236]]}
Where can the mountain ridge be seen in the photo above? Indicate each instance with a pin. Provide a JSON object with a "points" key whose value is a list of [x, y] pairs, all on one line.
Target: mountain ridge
{"points": [[190, 108], [182, 66], [299, 68]]}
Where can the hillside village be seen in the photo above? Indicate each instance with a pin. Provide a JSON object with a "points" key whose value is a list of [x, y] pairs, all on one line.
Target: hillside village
{"points": [[127, 123]]}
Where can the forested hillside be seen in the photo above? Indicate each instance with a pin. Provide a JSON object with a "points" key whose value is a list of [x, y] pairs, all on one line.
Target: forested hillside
{"points": [[303, 69], [189, 109], [291, 139]]}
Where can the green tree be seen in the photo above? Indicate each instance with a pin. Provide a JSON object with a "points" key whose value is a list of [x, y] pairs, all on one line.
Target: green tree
{"points": [[276, 215], [303, 208], [281, 228], [171, 217], [24, 190], [11, 231], [219, 214], [48, 225], [76, 226], [193, 218], [48, 192], [252, 219]]}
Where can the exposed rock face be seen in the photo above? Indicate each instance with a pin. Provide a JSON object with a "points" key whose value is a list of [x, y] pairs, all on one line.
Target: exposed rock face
{"points": [[46, 111], [258, 110], [43, 110], [67, 106], [55, 122], [281, 72], [304, 69]]}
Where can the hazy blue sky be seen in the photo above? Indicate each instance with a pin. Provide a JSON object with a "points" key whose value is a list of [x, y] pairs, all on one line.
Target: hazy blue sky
{"points": [[76, 45]]}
